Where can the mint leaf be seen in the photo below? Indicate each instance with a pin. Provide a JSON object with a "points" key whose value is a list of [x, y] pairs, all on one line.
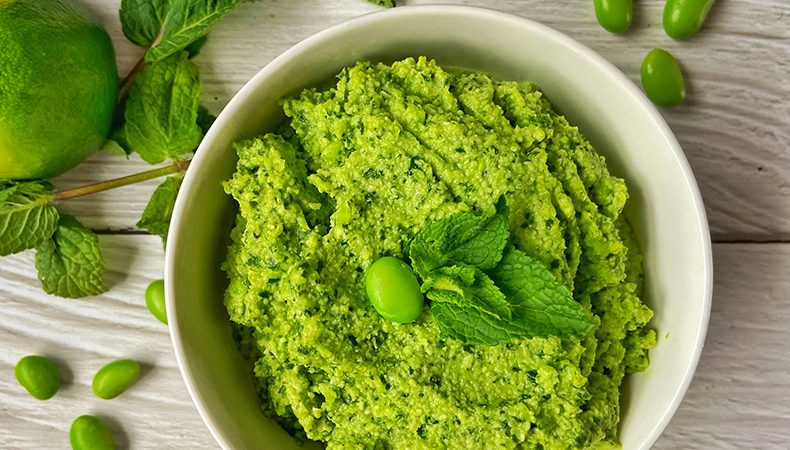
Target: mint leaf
{"points": [[469, 325], [27, 216], [466, 286], [69, 263], [142, 20], [484, 250], [156, 217], [545, 305], [541, 306], [461, 273], [429, 248], [177, 24], [162, 110], [464, 238], [186, 21]]}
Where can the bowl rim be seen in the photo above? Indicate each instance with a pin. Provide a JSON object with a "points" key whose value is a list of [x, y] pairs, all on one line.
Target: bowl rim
{"points": [[480, 12]]}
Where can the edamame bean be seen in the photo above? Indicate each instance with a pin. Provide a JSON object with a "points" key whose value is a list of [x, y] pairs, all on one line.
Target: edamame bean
{"points": [[393, 290], [38, 376], [114, 378], [682, 18], [90, 433], [155, 300], [662, 79], [614, 15]]}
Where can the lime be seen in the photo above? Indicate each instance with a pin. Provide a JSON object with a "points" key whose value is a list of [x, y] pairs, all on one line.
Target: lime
{"points": [[58, 87]]}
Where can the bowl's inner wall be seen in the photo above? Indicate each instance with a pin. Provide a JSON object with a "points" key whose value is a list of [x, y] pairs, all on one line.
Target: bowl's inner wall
{"points": [[608, 112]]}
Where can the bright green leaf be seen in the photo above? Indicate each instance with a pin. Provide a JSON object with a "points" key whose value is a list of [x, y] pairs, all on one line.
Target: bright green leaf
{"points": [[186, 21], [545, 304], [156, 217], [484, 250], [464, 238], [70, 263], [162, 109], [469, 325], [27, 216], [541, 307], [466, 286], [142, 20]]}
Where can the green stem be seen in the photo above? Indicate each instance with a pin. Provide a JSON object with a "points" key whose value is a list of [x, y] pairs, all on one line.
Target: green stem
{"points": [[118, 182], [123, 90]]}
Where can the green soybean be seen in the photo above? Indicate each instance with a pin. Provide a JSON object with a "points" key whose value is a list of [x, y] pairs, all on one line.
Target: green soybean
{"points": [[662, 79], [393, 290], [38, 375], [614, 15], [155, 300], [114, 378], [683, 18], [90, 433]]}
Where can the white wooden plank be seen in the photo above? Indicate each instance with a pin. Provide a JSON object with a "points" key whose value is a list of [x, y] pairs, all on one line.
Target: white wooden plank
{"points": [[740, 397], [82, 335], [734, 126]]}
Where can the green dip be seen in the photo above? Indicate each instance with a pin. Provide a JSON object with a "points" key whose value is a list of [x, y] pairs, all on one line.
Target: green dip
{"points": [[357, 171]]}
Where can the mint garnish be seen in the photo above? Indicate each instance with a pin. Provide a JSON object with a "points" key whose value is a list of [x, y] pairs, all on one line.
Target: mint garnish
{"points": [[484, 291]]}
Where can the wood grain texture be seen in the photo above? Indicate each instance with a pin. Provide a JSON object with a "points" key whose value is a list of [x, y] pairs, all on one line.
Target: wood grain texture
{"points": [[740, 397], [81, 336], [734, 126]]}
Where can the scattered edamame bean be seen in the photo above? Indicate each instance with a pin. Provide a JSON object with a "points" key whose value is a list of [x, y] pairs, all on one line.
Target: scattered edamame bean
{"points": [[393, 290], [90, 433], [155, 300], [683, 18], [114, 378], [38, 375], [614, 15], [662, 79]]}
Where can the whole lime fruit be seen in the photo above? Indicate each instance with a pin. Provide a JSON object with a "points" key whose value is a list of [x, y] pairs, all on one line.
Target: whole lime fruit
{"points": [[58, 87]]}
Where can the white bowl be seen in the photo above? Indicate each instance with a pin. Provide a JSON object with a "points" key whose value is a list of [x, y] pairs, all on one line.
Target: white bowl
{"points": [[609, 109]]}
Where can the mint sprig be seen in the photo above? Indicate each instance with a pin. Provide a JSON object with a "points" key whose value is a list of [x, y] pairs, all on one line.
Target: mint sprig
{"points": [[484, 291], [68, 258], [157, 116]]}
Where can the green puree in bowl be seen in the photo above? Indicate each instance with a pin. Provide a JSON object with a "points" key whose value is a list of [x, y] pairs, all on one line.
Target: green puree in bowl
{"points": [[356, 172]]}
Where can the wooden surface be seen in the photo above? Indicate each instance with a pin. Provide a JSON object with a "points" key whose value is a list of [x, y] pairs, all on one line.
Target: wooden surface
{"points": [[734, 128]]}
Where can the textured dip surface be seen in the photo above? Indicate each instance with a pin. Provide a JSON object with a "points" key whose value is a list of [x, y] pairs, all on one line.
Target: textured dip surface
{"points": [[356, 172]]}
